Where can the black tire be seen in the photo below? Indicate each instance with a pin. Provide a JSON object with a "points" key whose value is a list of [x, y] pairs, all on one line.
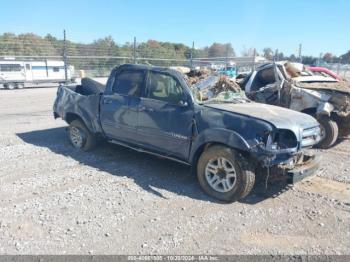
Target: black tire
{"points": [[331, 131], [89, 87], [20, 85], [245, 176], [88, 140], [10, 86]]}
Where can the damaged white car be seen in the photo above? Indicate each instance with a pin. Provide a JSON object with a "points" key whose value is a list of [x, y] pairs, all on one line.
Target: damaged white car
{"points": [[290, 85]]}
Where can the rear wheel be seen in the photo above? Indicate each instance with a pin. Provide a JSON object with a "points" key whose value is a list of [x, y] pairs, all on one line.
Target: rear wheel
{"points": [[80, 137], [20, 85], [225, 174], [10, 86], [329, 132]]}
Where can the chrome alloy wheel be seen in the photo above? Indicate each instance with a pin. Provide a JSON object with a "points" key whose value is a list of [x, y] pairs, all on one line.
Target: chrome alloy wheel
{"points": [[76, 136], [220, 174]]}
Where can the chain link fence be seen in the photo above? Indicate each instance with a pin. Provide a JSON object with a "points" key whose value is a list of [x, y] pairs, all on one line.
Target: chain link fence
{"points": [[97, 59], [342, 70]]}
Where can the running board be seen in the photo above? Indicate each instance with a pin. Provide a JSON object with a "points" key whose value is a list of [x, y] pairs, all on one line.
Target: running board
{"points": [[140, 150]]}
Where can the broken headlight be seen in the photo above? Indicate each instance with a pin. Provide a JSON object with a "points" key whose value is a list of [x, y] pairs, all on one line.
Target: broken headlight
{"points": [[283, 139]]}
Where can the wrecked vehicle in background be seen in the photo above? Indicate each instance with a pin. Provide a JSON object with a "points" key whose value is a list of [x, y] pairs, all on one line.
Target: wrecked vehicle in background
{"points": [[284, 84], [228, 141], [229, 70]]}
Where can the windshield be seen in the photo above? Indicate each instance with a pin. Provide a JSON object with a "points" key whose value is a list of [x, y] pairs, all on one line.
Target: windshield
{"points": [[217, 89], [228, 97]]}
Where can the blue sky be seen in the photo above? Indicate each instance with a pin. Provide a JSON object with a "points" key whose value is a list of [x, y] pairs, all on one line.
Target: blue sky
{"points": [[320, 25]]}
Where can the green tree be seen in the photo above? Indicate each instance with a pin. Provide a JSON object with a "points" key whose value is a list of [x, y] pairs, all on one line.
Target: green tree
{"points": [[221, 50], [268, 53], [328, 57]]}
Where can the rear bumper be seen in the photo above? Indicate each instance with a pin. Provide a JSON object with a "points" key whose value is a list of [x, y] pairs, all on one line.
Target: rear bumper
{"points": [[306, 168]]}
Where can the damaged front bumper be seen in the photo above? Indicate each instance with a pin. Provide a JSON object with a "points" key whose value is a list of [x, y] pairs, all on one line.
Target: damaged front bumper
{"points": [[290, 167], [307, 167]]}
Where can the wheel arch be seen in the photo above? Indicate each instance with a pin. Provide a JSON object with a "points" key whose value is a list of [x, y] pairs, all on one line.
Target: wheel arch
{"points": [[70, 117], [217, 137], [310, 111]]}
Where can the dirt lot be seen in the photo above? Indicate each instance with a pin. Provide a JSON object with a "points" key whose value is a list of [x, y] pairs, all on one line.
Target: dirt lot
{"points": [[56, 200]]}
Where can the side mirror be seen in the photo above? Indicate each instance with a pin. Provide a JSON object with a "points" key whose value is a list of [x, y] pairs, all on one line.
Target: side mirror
{"points": [[183, 103]]}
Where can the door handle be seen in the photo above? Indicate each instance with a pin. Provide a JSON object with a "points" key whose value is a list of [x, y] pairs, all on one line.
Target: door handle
{"points": [[146, 109], [107, 101]]}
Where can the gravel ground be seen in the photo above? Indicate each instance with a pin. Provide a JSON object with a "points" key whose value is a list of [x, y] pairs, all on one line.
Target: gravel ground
{"points": [[56, 200]]}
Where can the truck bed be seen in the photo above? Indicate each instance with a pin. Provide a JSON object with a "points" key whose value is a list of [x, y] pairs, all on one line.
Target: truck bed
{"points": [[70, 103]]}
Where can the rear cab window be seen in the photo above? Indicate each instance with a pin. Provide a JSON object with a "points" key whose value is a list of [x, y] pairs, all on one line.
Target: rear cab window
{"points": [[129, 82]]}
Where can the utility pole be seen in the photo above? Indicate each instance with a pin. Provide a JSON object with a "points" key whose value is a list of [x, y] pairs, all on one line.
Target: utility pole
{"points": [[254, 55], [319, 59], [191, 55], [276, 56], [299, 53], [65, 55], [134, 50], [226, 55]]}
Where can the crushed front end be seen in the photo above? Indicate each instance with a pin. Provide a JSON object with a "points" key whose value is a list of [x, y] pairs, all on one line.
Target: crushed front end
{"points": [[282, 156]]}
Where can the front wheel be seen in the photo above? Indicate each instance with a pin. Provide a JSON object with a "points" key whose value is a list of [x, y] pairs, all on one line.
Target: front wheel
{"points": [[80, 137], [329, 132], [225, 174]]}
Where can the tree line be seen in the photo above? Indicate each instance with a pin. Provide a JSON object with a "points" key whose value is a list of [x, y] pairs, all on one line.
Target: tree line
{"points": [[309, 60], [30, 44]]}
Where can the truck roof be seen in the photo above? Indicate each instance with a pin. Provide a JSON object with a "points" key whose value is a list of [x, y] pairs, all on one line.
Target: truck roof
{"points": [[168, 70], [147, 67]]}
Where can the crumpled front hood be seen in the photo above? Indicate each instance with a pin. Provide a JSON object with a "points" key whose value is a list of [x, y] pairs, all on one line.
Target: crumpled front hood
{"points": [[280, 117], [339, 86]]}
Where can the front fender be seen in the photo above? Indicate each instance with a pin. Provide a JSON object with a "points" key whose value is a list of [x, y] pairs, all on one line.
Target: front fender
{"points": [[324, 108], [218, 135]]}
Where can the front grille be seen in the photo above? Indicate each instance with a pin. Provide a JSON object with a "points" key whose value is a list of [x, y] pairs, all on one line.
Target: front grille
{"points": [[310, 136]]}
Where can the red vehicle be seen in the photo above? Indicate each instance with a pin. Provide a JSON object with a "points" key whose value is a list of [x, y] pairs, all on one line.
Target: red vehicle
{"points": [[325, 72]]}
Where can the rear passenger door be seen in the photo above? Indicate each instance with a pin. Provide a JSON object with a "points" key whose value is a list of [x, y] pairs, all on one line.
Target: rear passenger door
{"points": [[165, 116], [119, 109]]}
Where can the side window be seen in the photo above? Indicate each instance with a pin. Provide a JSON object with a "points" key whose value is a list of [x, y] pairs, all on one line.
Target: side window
{"points": [[10, 67], [164, 87], [263, 78], [129, 83], [27, 66], [56, 69]]}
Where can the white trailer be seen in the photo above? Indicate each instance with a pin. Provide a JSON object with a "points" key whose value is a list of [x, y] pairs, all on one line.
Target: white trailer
{"points": [[19, 74]]}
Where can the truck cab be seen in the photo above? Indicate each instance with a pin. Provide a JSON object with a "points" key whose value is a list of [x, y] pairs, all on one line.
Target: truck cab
{"points": [[150, 108]]}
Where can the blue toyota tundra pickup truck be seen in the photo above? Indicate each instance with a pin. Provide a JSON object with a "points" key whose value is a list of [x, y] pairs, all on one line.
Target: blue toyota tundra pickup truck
{"points": [[228, 142]]}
